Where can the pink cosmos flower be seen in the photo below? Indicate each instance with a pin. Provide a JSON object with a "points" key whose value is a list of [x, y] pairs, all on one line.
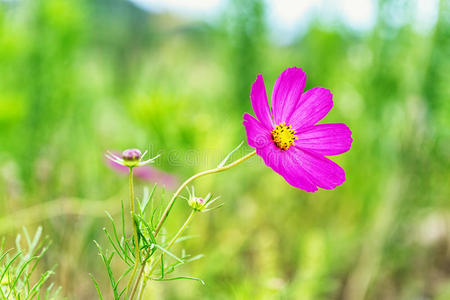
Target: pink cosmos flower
{"points": [[288, 138], [145, 172]]}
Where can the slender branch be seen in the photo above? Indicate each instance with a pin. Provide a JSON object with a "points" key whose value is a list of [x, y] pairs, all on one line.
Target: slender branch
{"points": [[180, 189], [136, 240], [136, 283], [143, 283], [174, 239], [141, 288], [182, 229]]}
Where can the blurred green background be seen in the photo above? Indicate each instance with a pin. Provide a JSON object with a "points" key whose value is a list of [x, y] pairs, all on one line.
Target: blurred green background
{"points": [[79, 77]]}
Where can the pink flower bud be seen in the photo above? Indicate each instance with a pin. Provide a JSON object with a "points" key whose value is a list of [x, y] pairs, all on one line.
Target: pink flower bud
{"points": [[131, 155]]}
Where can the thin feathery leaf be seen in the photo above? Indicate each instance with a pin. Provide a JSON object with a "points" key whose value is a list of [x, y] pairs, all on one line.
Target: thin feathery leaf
{"points": [[96, 286], [8, 265], [36, 239], [169, 253], [5, 254], [21, 270], [123, 253], [118, 251], [178, 278], [107, 262], [171, 268], [36, 288], [124, 274], [186, 237], [224, 161], [146, 199]]}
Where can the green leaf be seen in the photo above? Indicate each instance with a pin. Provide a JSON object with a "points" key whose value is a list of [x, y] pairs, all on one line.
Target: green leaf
{"points": [[107, 262], [4, 254], [22, 268], [223, 162], [119, 252], [148, 228], [124, 274], [146, 199], [178, 278], [169, 253], [36, 288], [8, 265]]}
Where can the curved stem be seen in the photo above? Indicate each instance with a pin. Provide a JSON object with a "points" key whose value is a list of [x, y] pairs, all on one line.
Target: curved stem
{"points": [[182, 229], [136, 241], [180, 189]]}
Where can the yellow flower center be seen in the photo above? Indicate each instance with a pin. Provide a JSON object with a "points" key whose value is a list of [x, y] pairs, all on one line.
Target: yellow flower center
{"points": [[283, 136]]}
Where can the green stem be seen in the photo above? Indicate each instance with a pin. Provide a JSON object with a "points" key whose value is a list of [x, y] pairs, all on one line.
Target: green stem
{"points": [[180, 189], [144, 282], [174, 239], [136, 241], [182, 229]]}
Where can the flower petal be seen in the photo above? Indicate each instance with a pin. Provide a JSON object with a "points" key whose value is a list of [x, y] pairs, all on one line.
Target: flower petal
{"points": [[301, 169], [287, 92], [325, 139], [313, 106], [287, 166], [257, 134], [295, 175], [260, 105], [322, 171]]}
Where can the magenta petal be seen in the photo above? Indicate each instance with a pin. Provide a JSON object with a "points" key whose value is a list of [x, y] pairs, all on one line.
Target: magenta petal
{"points": [[313, 107], [295, 175], [325, 139], [287, 166], [287, 92], [257, 135], [322, 171], [260, 105]]}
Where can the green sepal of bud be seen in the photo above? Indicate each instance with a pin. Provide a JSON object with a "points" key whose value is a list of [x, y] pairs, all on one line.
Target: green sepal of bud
{"points": [[197, 203]]}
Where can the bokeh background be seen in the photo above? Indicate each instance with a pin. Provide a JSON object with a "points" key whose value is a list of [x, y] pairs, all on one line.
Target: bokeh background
{"points": [[79, 77]]}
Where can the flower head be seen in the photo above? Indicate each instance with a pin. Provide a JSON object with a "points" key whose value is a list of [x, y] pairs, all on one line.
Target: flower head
{"points": [[199, 203], [196, 203], [130, 158], [288, 138], [146, 172]]}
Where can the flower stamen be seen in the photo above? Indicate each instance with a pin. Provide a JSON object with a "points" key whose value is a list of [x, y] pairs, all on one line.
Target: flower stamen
{"points": [[283, 136]]}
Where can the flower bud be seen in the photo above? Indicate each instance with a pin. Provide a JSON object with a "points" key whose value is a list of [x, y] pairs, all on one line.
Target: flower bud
{"points": [[196, 203], [130, 158], [131, 155]]}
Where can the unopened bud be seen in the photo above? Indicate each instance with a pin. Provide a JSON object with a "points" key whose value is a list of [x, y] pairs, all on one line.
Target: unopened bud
{"points": [[197, 203], [131, 155]]}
